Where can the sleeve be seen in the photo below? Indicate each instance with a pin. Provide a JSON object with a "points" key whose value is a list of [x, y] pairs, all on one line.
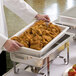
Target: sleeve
{"points": [[3, 31], [22, 9], [3, 39]]}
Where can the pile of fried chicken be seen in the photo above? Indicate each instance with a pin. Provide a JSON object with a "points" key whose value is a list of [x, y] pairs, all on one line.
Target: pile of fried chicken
{"points": [[38, 35]]}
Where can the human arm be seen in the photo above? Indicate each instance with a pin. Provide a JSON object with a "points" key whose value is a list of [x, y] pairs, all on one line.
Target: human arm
{"points": [[24, 11], [42, 17], [9, 45], [3, 39]]}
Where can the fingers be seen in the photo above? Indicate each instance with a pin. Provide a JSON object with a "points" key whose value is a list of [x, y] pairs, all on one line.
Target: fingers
{"points": [[19, 44], [43, 17], [12, 45], [47, 18], [16, 46]]}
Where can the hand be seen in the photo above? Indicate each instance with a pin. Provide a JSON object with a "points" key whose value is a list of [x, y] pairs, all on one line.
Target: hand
{"points": [[42, 17], [11, 45]]}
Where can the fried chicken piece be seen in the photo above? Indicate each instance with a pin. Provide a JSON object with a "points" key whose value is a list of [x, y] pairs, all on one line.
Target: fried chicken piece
{"points": [[39, 32], [44, 42], [28, 36], [24, 43], [46, 32], [32, 41], [40, 22], [34, 32], [54, 28], [59, 29], [37, 37], [52, 36], [46, 38], [16, 38], [36, 45], [29, 31], [22, 35]]}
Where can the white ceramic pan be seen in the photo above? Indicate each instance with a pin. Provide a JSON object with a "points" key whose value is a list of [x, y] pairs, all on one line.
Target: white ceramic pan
{"points": [[38, 53]]}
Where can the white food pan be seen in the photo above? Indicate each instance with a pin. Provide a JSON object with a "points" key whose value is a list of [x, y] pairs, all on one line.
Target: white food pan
{"points": [[38, 53]]}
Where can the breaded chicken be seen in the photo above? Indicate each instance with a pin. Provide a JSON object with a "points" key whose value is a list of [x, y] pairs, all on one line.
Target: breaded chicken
{"points": [[38, 35]]}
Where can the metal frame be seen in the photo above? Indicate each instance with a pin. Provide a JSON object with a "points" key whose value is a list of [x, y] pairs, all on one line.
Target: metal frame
{"points": [[45, 58], [66, 60], [33, 69], [38, 70]]}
